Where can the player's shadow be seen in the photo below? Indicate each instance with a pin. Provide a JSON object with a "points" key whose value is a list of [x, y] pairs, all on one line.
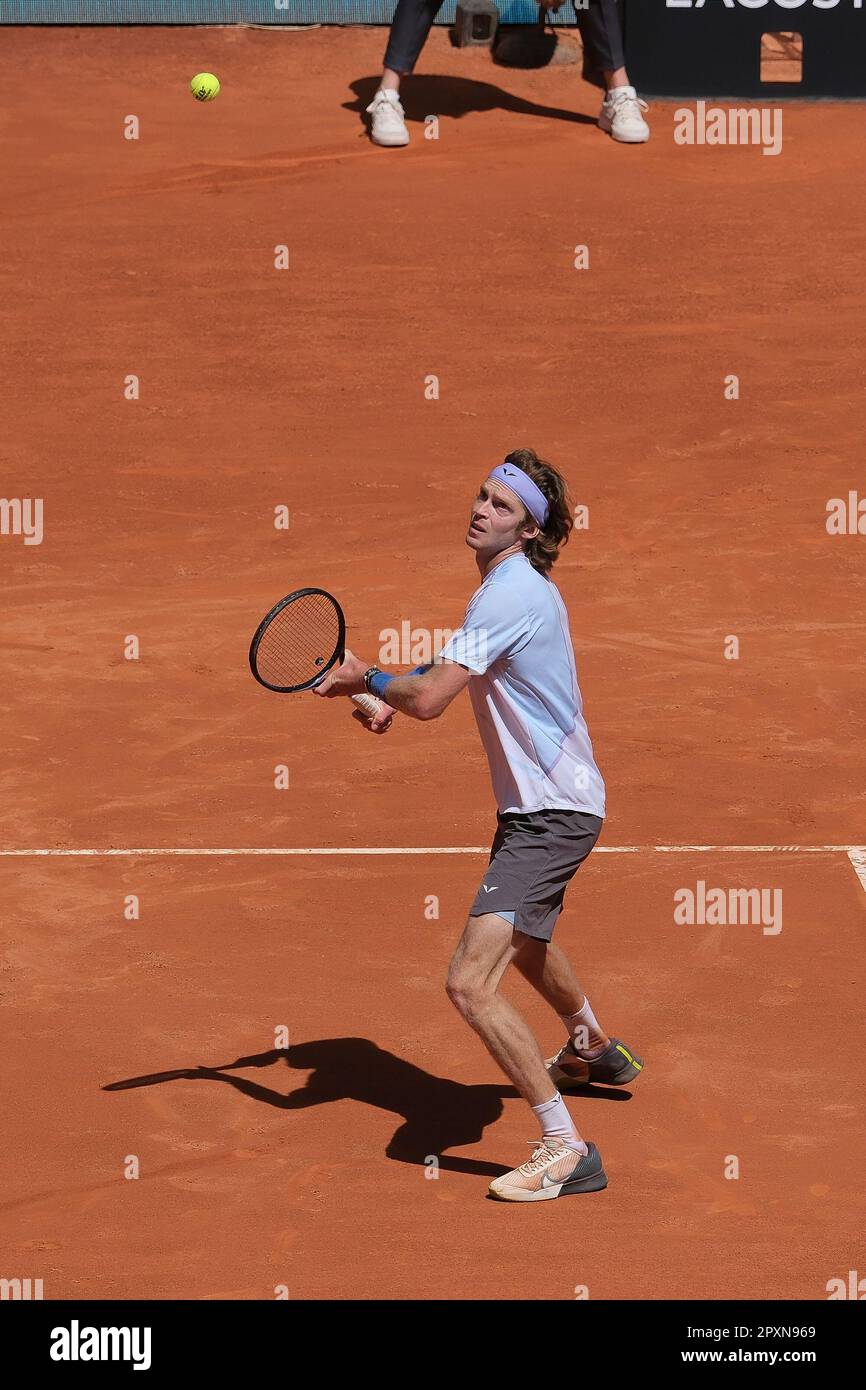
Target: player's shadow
{"points": [[438, 1114], [428, 95]]}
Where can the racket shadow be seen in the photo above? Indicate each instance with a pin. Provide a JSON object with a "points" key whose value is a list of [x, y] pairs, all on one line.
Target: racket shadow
{"points": [[438, 1114]]}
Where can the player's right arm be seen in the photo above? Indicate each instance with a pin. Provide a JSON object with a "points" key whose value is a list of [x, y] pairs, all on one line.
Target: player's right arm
{"points": [[490, 630], [427, 694]]}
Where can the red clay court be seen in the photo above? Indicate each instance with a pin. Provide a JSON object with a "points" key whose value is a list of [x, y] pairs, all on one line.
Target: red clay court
{"points": [[306, 388]]}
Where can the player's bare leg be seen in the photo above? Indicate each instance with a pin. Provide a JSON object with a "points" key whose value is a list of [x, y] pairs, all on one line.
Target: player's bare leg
{"points": [[561, 1163], [589, 1054], [486, 949], [548, 970]]}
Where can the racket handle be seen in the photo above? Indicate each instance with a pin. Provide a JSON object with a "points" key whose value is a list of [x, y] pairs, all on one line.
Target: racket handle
{"points": [[369, 704]]}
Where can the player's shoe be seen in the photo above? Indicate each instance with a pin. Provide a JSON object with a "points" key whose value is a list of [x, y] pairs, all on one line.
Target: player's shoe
{"points": [[622, 116], [388, 126], [553, 1171], [616, 1066]]}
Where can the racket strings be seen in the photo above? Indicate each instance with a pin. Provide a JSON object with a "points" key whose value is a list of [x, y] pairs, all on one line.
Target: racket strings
{"points": [[299, 641]]}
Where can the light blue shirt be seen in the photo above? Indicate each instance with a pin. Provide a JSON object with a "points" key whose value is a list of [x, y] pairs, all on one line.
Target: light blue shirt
{"points": [[524, 693]]}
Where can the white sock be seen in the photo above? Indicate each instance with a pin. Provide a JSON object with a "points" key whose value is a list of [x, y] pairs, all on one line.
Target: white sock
{"points": [[556, 1123], [583, 1027], [615, 91]]}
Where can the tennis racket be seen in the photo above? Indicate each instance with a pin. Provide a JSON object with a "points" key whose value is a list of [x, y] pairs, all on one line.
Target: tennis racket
{"points": [[299, 641]]}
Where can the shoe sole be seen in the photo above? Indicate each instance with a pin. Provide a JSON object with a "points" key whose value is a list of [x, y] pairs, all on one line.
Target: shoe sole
{"points": [[596, 1182], [390, 144], [622, 140]]}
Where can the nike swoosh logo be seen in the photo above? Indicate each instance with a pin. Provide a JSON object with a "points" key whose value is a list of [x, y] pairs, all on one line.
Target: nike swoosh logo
{"points": [[488, 890], [547, 1181]]}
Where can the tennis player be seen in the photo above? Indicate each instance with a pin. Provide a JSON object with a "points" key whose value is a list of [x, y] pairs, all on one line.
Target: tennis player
{"points": [[514, 654], [600, 29]]}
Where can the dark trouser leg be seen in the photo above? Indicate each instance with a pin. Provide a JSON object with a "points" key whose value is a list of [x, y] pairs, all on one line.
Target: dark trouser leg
{"points": [[601, 30], [412, 22]]}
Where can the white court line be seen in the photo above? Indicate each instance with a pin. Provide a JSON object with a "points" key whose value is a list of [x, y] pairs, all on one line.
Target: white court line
{"points": [[850, 850], [856, 853], [858, 863]]}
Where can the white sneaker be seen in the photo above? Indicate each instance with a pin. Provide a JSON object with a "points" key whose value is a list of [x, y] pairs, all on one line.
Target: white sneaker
{"points": [[621, 116], [389, 127]]}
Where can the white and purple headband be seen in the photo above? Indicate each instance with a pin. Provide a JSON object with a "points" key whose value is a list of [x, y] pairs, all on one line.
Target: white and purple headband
{"points": [[523, 487]]}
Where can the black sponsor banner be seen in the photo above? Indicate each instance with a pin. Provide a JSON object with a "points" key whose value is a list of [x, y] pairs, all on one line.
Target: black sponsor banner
{"points": [[712, 48]]}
